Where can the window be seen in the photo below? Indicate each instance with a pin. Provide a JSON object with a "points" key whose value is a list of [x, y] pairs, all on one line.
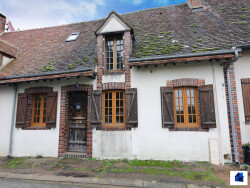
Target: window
{"points": [[113, 108], [186, 107], [39, 110], [72, 37], [114, 53]]}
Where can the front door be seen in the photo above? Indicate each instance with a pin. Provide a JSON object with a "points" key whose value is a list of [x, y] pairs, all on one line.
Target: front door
{"points": [[77, 129]]}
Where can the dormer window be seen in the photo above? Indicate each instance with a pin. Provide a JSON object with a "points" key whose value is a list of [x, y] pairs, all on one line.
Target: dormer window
{"points": [[72, 37], [114, 53]]}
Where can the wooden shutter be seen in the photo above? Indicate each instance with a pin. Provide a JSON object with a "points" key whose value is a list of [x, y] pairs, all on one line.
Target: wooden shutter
{"points": [[207, 106], [21, 110], [96, 108], [131, 110], [245, 84], [167, 107], [51, 110]]}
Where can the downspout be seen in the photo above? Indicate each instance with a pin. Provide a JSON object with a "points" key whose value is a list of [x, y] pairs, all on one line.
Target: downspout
{"points": [[231, 106], [12, 121]]}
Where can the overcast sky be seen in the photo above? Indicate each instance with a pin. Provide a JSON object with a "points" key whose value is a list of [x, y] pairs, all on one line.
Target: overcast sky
{"points": [[27, 14]]}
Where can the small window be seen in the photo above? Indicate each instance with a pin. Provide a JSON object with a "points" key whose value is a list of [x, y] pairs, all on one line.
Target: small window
{"points": [[114, 53], [72, 37], [113, 108], [39, 110], [186, 107]]}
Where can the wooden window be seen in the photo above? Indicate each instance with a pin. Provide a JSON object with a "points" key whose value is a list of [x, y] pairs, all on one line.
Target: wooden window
{"points": [[39, 110], [186, 107], [113, 108], [114, 53]]}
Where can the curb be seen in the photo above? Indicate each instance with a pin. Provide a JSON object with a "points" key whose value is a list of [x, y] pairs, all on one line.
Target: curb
{"points": [[100, 181]]}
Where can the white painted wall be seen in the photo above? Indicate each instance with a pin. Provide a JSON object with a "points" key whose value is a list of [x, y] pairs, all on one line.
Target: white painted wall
{"points": [[6, 60], [6, 105], [242, 67], [112, 144], [151, 141], [32, 142], [113, 78]]}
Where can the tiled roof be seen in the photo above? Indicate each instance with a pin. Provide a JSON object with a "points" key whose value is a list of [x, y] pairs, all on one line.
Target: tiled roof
{"points": [[166, 30]]}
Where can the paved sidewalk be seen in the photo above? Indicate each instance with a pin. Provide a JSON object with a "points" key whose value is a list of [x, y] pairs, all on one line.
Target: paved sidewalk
{"points": [[100, 181]]}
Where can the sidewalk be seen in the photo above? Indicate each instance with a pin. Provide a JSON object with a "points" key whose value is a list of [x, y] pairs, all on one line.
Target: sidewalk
{"points": [[100, 181]]}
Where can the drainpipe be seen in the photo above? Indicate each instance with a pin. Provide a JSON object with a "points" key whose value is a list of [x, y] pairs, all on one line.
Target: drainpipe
{"points": [[231, 106], [12, 121]]}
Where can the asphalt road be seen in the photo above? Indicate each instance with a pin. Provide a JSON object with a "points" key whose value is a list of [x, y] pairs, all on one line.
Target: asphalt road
{"points": [[15, 183]]}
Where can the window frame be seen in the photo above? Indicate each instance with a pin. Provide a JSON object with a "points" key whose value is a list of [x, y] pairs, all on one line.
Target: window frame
{"points": [[186, 123], [41, 123], [114, 99], [115, 58]]}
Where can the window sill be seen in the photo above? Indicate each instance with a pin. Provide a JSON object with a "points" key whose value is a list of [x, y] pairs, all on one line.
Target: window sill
{"points": [[36, 128], [113, 128], [115, 72], [194, 129]]}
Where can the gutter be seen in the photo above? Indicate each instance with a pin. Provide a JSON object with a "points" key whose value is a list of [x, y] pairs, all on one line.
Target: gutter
{"points": [[231, 105], [12, 122], [47, 73], [217, 52]]}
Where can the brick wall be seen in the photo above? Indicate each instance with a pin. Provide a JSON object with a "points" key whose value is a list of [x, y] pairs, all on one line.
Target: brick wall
{"points": [[63, 136], [236, 114]]}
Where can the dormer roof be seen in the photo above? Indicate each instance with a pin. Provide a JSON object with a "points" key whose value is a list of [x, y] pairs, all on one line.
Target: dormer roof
{"points": [[112, 24]]}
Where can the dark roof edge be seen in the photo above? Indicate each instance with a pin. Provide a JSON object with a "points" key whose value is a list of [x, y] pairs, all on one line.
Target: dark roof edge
{"points": [[217, 52], [46, 74], [244, 47]]}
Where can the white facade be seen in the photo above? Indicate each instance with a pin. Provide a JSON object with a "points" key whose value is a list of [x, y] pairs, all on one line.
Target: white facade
{"points": [[31, 142], [151, 141], [242, 67]]}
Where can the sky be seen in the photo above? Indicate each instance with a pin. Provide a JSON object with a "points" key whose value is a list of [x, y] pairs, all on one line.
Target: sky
{"points": [[28, 14]]}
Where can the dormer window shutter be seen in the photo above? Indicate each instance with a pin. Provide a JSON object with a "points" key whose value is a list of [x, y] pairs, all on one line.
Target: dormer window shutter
{"points": [[96, 108], [131, 108], [167, 107], [21, 110], [51, 109]]}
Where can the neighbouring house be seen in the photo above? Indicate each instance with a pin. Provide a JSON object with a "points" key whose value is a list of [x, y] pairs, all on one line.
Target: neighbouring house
{"points": [[167, 83]]}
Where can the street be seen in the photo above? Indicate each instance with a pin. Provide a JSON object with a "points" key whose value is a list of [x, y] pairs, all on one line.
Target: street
{"points": [[15, 183]]}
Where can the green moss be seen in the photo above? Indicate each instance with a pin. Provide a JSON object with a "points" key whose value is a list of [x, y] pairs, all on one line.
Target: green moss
{"points": [[17, 163], [86, 59], [199, 40], [194, 46], [243, 16], [239, 22], [192, 25], [205, 50], [169, 32], [71, 66]]}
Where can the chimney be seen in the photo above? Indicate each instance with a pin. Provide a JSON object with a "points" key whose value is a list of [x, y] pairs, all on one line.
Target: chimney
{"points": [[194, 4], [2, 22]]}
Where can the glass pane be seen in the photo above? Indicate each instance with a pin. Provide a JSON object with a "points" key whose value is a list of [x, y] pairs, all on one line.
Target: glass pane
{"points": [[106, 111], [194, 118], [121, 111], [106, 95], [118, 66], [37, 119], [177, 110], [188, 92], [106, 119], [192, 92], [182, 119], [121, 103], [106, 103], [192, 101], [117, 119], [117, 103], [117, 95], [110, 95], [121, 95], [180, 93], [110, 119], [44, 120], [177, 102], [176, 93], [110, 111], [110, 103], [189, 110], [111, 66], [189, 101], [190, 118], [193, 109], [121, 119], [178, 119], [117, 111], [181, 104], [181, 111], [118, 42]]}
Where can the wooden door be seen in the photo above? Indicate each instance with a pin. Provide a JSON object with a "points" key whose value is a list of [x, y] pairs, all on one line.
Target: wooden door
{"points": [[77, 129]]}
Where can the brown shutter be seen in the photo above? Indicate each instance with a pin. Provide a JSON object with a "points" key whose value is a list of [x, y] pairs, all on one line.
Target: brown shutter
{"points": [[207, 106], [131, 111], [21, 110], [245, 84], [96, 108], [51, 110], [167, 107]]}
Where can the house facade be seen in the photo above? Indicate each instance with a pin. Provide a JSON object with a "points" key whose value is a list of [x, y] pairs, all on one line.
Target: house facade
{"points": [[161, 84]]}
